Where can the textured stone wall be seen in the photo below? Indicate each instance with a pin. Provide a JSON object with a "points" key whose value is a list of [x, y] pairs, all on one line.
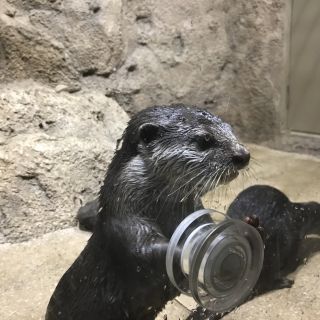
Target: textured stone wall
{"points": [[87, 59], [54, 151], [225, 55]]}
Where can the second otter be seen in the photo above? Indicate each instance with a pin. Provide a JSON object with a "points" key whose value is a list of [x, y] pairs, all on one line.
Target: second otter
{"points": [[170, 156], [285, 225]]}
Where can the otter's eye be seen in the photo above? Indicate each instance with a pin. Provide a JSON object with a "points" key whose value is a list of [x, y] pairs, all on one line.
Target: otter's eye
{"points": [[206, 141], [148, 132]]}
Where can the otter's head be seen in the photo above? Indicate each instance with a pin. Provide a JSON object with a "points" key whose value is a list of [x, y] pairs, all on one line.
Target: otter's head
{"points": [[188, 148]]}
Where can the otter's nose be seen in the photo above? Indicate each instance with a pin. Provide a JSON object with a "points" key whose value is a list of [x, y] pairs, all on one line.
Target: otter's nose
{"points": [[241, 158]]}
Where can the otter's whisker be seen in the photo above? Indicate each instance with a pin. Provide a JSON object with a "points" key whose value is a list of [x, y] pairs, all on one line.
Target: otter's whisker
{"points": [[191, 179], [256, 162], [208, 185], [183, 178], [193, 188], [214, 179], [247, 173], [218, 180], [252, 172], [186, 184], [198, 193], [213, 183], [197, 168], [204, 189], [215, 175]]}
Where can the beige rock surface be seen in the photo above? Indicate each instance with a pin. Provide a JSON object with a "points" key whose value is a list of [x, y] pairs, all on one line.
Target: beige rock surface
{"points": [[54, 150], [226, 55], [56, 41], [29, 271]]}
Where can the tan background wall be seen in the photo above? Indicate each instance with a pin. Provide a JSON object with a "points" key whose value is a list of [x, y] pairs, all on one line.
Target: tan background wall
{"points": [[225, 55]]}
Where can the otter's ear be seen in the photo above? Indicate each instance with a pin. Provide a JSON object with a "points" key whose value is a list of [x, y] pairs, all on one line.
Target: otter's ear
{"points": [[148, 132]]}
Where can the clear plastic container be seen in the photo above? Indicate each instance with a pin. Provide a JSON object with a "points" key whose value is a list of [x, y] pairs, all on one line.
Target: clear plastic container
{"points": [[215, 259]]}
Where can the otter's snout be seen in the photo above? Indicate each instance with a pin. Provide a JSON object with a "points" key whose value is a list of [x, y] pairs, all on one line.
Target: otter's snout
{"points": [[241, 157]]}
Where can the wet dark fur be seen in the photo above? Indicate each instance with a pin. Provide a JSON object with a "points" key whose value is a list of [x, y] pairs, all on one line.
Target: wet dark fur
{"points": [[88, 215], [285, 225], [169, 157]]}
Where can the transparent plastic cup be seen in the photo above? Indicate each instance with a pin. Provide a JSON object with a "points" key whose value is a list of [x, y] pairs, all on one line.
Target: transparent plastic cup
{"points": [[215, 259]]}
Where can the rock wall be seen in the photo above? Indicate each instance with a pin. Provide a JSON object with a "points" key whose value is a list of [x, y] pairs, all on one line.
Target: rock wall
{"points": [[57, 136], [225, 55], [54, 151], [59, 41]]}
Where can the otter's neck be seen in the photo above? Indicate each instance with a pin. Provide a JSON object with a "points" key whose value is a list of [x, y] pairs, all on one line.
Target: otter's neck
{"points": [[134, 189]]}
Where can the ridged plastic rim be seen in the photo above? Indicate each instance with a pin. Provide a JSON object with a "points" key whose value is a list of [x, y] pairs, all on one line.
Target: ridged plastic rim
{"points": [[232, 232], [240, 292], [173, 245]]}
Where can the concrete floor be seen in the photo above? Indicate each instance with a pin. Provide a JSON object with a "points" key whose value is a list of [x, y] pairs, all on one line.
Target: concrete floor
{"points": [[29, 271]]}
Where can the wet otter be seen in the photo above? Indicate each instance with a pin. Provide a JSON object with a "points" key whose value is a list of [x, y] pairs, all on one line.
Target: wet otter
{"points": [[170, 156], [285, 224]]}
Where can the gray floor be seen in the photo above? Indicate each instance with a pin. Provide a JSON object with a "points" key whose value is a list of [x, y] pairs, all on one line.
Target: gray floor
{"points": [[29, 271]]}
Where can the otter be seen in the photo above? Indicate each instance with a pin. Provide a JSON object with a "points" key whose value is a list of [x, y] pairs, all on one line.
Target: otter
{"points": [[170, 156], [285, 224]]}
